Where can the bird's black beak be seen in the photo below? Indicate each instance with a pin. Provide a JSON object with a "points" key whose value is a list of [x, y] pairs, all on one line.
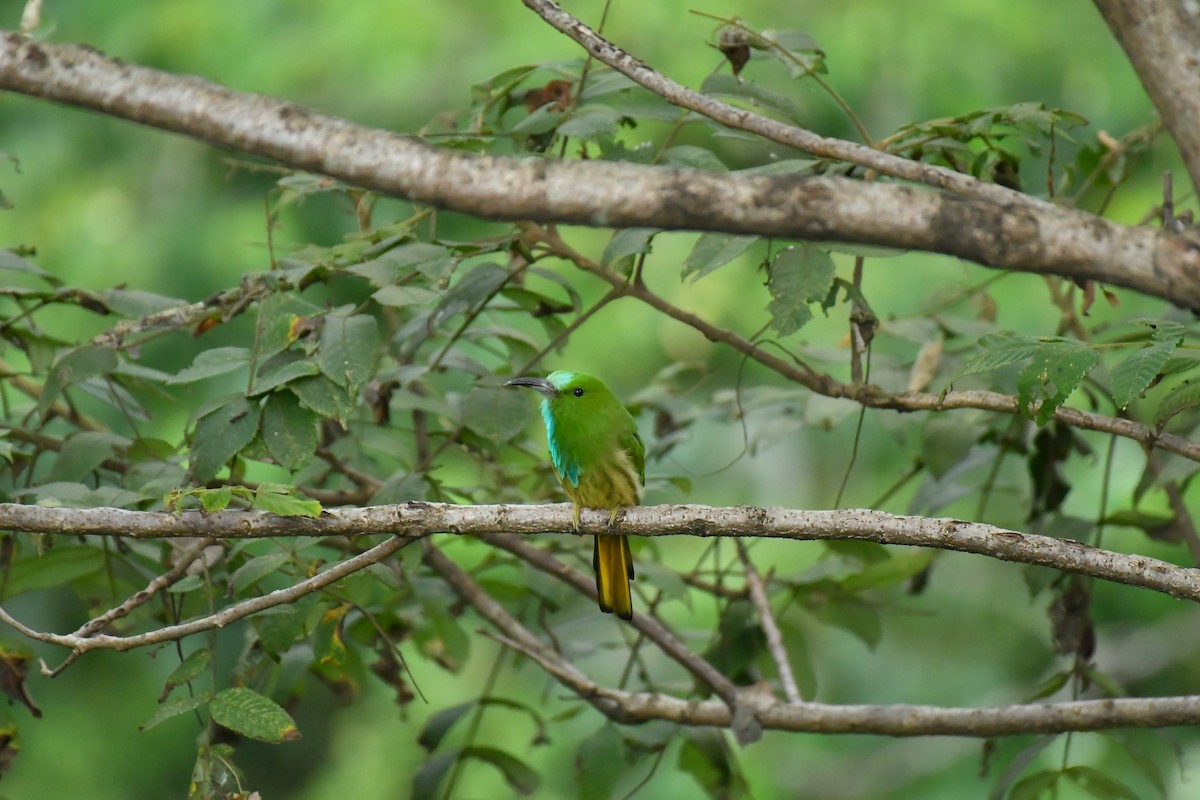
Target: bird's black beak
{"points": [[540, 384]]}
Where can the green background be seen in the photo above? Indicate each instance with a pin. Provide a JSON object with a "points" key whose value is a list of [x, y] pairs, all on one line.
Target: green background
{"points": [[106, 202]]}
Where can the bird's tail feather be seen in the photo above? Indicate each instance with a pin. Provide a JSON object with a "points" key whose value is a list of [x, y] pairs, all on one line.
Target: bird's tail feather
{"points": [[614, 570]]}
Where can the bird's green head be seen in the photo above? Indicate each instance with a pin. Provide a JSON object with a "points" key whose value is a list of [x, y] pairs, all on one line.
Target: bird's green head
{"points": [[569, 395]]}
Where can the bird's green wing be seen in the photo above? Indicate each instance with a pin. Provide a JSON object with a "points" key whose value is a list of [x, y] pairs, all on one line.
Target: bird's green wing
{"points": [[632, 444]]}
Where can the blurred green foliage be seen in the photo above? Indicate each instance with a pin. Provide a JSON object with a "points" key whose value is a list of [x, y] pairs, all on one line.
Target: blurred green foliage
{"points": [[103, 203]]}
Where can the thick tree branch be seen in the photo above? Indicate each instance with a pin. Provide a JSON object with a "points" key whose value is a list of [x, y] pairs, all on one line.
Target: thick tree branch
{"points": [[887, 720], [868, 394], [1024, 234], [1162, 38], [416, 519]]}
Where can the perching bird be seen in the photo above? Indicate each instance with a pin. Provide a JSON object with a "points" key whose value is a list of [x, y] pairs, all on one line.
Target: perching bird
{"points": [[601, 463]]}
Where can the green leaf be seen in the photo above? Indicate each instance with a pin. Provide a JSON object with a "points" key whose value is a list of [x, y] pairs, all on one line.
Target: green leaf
{"points": [[1099, 784], [713, 250], [349, 347], [286, 504], [289, 430], [173, 708], [55, 567], [210, 363], [896, 568], [999, 350], [251, 714], [438, 725], [83, 453], [628, 242], [497, 414], [517, 773], [188, 670], [472, 289], [1182, 397], [257, 568], [214, 500], [328, 647], [137, 303], [725, 84], [592, 123], [278, 375], [596, 763], [428, 779], [854, 617], [945, 442], [1131, 377], [323, 396], [14, 263], [1053, 372], [220, 435], [72, 367], [705, 756], [1035, 786], [800, 275]]}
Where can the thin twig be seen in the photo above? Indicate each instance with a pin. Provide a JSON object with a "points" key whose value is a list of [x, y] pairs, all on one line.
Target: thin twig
{"points": [[762, 604]]}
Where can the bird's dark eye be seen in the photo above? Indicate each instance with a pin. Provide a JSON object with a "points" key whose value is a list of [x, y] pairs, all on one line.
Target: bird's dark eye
{"points": [[578, 392]]}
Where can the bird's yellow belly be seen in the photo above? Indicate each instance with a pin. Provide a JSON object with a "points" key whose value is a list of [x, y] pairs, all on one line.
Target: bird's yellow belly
{"points": [[608, 487]]}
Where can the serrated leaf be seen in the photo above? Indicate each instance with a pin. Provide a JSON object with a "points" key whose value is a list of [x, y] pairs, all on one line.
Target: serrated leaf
{"points": [[1131, 377], [188, 670], [220, 435], [289, 430], [349, 346], [173, 708], [323, 396], [998, 350], [284, 373], [714, 250], [628, 242], [800, 275], [55, 567], [594, 762], [210, 363], [251, 714], [1053, 372], [1182, 397]]}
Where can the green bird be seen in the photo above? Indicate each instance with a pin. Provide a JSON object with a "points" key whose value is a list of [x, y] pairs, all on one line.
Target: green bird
{"points": [[601, 463]]}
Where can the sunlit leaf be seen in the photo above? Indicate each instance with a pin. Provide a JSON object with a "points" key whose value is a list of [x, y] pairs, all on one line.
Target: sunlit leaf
{"points": [[253, 715]]}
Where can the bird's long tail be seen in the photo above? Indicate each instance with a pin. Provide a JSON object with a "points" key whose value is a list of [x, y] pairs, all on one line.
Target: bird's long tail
{"points": [[614, 570]]}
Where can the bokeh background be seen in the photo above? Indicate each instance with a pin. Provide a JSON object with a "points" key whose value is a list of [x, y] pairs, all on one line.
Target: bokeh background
{"points": [[106, 202]]}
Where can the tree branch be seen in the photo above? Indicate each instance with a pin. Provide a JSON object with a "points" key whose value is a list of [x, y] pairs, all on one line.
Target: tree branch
{"points": [[1022, 234], [1161, 38], [887, 720], [868, 394], [417, 519]]}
